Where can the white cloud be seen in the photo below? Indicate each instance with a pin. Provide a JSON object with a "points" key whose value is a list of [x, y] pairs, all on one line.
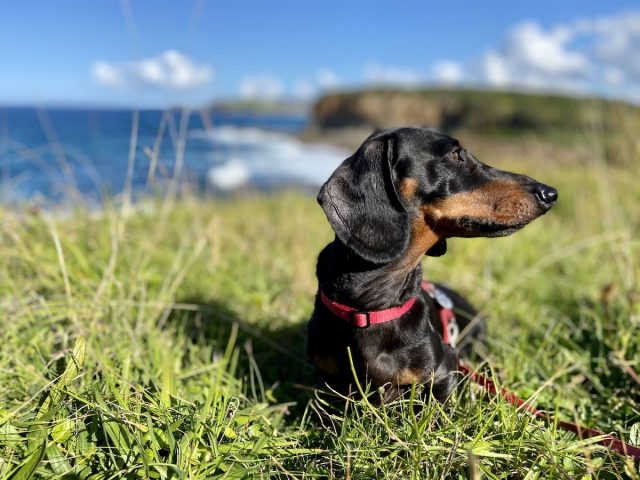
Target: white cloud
{"points": [[304, 90], [393, 76], [268, 86], [533, 57], [597, 54], [261, 87], [170, 70], [544, 51], [494, 70], [308, 88], [448, 72], [327, 79], [615, 44], [106, 74], [613, 77]]}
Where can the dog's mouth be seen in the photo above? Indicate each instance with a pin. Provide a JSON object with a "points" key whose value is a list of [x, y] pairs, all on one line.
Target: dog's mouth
{"points": [[482, 227], [496, 210], [504, 221], [524, 214], [469, 227]]}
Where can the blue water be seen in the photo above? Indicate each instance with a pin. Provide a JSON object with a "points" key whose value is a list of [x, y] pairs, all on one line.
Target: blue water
{"points": [[54, 155]]}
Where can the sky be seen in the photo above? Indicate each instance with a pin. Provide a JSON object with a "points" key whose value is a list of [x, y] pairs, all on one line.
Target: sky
{"points": [[156, 53]]}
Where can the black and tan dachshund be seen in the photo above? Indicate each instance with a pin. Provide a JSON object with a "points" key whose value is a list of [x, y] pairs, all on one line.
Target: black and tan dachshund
{"points": [[397, 198]]}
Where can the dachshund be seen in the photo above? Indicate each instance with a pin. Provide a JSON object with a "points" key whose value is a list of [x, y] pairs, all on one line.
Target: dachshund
{"points": [[400, 196]]}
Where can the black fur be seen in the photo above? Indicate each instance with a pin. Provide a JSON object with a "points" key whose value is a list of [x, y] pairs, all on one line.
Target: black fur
{"points": [[365, 267], [362, 204]]}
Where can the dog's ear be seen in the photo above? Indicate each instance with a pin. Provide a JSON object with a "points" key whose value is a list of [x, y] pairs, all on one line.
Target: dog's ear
{"points": [[438, 249], [362, 204]]}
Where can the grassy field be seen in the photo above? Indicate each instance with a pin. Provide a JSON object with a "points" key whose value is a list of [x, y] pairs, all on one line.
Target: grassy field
{"points": [[166, 340]]}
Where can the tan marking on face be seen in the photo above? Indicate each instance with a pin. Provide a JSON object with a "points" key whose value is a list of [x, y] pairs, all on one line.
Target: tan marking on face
{"points": [[501, 202], [409, 376], [422, 239], [407, 188], [326, 364], [422, 236]]}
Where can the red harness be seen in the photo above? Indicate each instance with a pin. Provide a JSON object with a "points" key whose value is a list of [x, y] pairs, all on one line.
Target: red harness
{"points": [[361, 319]]}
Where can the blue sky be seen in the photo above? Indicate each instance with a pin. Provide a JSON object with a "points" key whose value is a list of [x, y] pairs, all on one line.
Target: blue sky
{"points": [[156, 53]]}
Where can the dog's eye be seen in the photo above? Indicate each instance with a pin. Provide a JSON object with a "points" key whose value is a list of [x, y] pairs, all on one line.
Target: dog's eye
{"points": [[456, 154]]}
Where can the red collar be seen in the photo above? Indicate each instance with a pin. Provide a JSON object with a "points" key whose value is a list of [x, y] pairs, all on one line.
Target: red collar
{"points": [[361, 319]]}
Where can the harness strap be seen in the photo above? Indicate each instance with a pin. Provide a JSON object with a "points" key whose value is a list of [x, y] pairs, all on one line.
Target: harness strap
{"points": [[444, 305]]}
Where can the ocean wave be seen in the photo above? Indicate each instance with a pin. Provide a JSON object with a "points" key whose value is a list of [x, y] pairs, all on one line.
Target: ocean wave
{"points": [[90, 157], [251, 156]]}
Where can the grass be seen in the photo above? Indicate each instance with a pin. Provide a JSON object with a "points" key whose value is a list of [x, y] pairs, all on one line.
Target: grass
{"points": [[167, 341]]}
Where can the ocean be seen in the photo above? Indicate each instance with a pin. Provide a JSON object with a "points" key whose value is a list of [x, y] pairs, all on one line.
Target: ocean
{"points": [[52, 156]]}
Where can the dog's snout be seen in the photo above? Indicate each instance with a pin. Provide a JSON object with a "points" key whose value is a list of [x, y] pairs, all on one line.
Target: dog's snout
{"points": [[546, 195]]}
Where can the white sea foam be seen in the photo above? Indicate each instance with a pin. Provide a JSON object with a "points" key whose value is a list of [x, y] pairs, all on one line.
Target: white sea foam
{"points": [[250, 156], [229, 175]]}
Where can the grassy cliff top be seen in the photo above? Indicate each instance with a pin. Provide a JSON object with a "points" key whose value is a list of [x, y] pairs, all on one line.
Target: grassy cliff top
{"points": [[484, 111]]}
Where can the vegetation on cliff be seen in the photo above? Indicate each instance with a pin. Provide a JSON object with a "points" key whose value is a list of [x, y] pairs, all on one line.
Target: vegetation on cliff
{"points": [[480, 111]]}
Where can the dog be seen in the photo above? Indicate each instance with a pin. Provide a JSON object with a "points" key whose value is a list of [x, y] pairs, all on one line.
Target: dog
{"points": [[400, 196]]}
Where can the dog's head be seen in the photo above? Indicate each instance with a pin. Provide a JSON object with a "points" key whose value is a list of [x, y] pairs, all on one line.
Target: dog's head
{"points": [[412, 188]]}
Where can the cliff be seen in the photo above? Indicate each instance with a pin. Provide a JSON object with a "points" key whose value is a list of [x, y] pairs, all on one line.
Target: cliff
{"points": [[480, 111]]}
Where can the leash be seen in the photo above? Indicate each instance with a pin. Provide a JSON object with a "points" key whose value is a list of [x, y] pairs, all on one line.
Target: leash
{"points": [[450, 329], [608, 440]]}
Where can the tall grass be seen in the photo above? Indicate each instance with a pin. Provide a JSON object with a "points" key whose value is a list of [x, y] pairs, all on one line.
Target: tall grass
{"points": [[168, 342]]}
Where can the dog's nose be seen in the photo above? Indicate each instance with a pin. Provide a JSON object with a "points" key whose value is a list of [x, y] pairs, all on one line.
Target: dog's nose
{"points": [[546, 195]]}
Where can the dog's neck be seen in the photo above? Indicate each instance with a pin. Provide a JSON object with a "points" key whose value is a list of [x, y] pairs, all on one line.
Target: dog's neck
{"points": [[348, 278]]}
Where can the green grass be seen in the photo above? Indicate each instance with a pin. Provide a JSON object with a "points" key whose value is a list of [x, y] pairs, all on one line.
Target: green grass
{"points": [[168, 342]]}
